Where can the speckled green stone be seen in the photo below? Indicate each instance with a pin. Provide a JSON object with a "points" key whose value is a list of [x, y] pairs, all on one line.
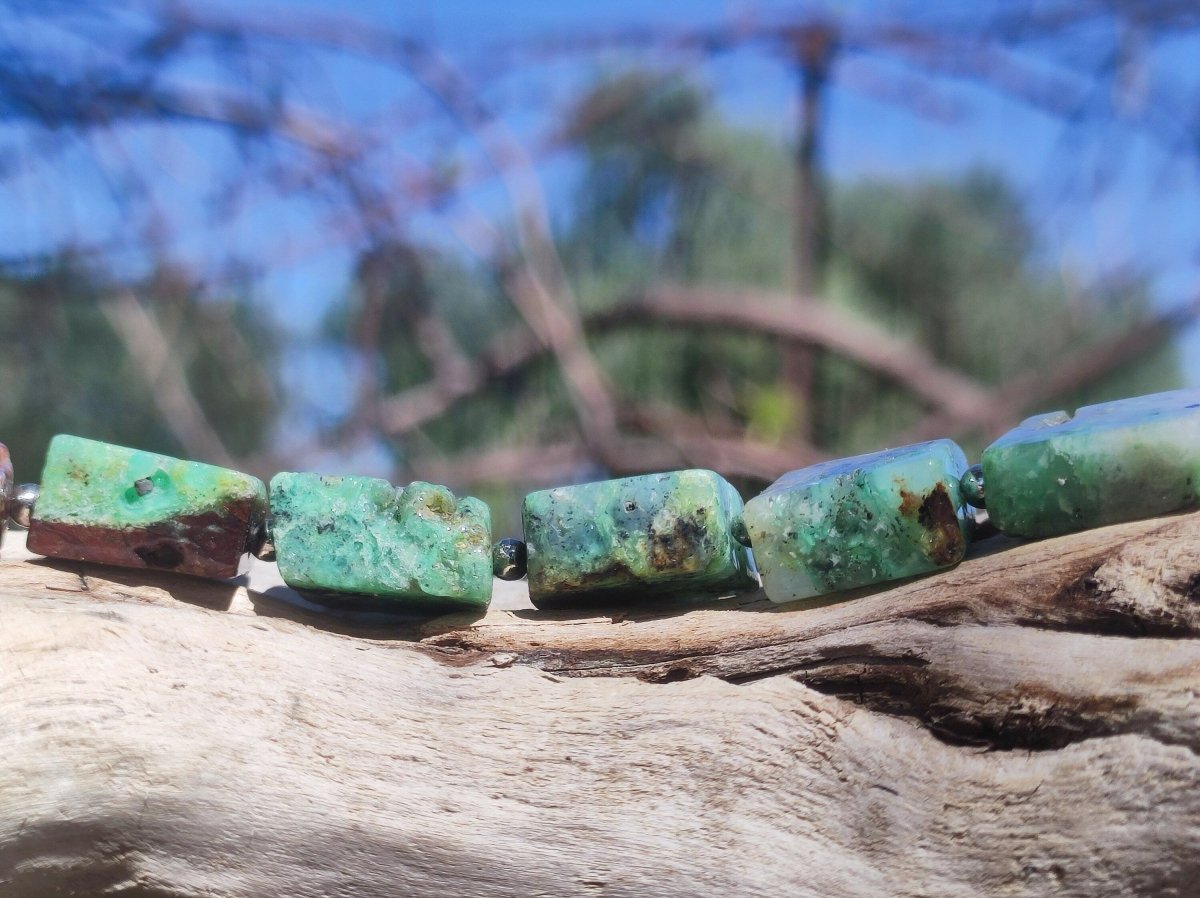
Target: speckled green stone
{"points": [[115, 505], [1116, 461], [856, 521], [361, 536], [638, 537]]}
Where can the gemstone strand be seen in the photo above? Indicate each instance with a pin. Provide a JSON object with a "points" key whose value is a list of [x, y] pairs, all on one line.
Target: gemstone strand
{"points": [[827, 528]]}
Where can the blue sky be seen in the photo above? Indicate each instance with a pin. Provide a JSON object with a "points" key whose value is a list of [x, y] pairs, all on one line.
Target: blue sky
{"points": [[1147, 217]]}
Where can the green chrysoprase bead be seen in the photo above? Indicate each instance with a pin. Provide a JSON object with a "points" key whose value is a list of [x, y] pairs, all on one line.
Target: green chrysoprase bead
{"points": [[1117, 461], [637, 537], [361, 536], [862, 520], [113, 505]]}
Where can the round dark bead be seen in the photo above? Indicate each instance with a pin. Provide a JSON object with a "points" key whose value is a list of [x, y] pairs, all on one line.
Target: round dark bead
{"points": [[972, 486], [262, 541], [740, 533], [508, 559]]}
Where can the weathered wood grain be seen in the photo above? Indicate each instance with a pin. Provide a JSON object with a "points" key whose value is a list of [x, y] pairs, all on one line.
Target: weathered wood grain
{"points": [[1026, 724]]}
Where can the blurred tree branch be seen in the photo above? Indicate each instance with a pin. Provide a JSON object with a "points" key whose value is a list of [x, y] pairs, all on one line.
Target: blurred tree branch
{"points": [[356, 167], [820, 326], [1008, 402], [152, 353]]}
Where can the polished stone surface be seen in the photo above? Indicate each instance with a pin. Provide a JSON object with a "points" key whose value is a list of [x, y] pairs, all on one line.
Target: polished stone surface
{"points": [[114, 505], [857, 521], [973, 489], [1117, 461], [509, 559], [417, 547], [637, 537]]}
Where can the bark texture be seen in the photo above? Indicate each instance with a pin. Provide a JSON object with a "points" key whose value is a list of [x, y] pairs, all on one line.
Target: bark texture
{"points": [[1025, 724]]}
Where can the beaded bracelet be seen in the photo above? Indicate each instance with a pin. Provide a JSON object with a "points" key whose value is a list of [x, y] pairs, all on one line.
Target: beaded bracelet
{"points": [[822, 529]]}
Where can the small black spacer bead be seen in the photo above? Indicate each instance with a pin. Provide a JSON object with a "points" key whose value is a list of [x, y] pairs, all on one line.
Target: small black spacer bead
{"points": [[262, 542], [509, 559], [739, 532], [972, 486]]}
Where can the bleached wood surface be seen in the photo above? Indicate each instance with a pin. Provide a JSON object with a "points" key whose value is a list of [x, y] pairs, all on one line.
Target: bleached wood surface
{"points": [[1026, 724]]}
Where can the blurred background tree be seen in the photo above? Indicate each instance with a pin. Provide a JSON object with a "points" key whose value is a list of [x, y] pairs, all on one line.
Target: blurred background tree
{"points": [[627, 278], [84, 354]]}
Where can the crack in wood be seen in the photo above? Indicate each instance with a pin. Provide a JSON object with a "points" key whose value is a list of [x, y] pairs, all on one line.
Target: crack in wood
{"points": [[1094, 594]]}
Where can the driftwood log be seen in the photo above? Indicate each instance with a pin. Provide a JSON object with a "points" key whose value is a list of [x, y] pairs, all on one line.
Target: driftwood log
{"points": [[1026, 724]]}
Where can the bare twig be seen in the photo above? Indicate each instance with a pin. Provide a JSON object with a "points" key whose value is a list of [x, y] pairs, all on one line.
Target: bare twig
{"points": [[1008, 403], [538, 283], [155, 357], [820, 325], [812, 48]]}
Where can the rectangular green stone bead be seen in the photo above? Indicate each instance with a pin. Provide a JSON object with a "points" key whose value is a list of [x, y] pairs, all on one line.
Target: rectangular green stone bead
{"points": [[361, 536], [653, 535], [1116, 461], [114, 505], [857, 521]]}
